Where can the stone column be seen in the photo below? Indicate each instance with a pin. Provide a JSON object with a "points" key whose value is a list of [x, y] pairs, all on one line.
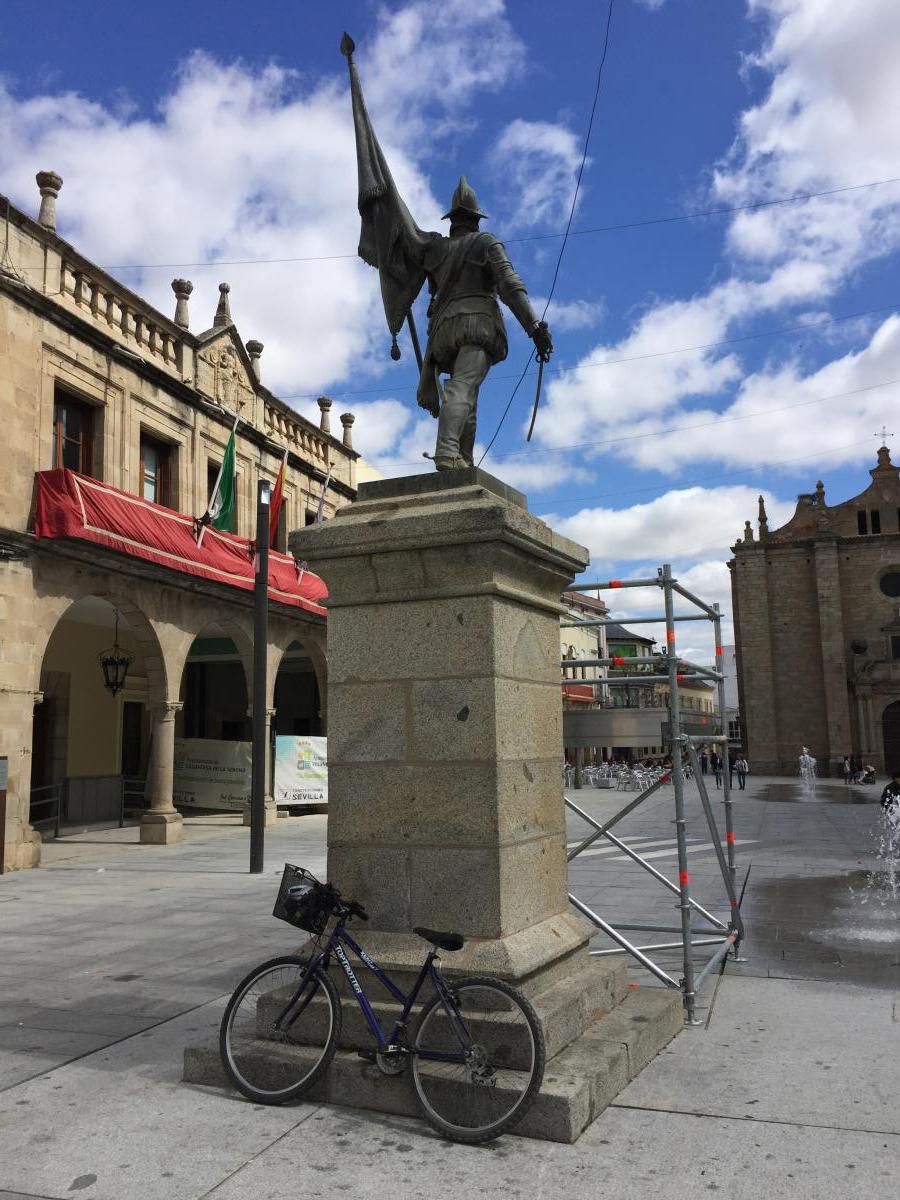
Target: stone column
{"points": [[271, 808], [347, 420], [445, 720], [161, 823], [255, 349], [182, 289], [49, 183], [324, 414]]}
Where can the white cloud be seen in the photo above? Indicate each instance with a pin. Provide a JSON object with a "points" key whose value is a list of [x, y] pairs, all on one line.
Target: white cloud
{"points": [[568, 316], [538, 162], [682, 525], [827, 121], [782, 413], [239, 163], [433, 58]]}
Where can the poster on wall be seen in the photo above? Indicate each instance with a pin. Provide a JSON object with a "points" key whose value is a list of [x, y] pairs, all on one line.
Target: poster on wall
{"points": [[301, 770], [212, 774]]}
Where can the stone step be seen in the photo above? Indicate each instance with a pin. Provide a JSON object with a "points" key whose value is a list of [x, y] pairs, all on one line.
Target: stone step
{"points": [[579, 1082], [564, 1008]]}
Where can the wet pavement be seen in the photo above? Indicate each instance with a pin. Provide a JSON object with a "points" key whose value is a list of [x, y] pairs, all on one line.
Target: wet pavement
{"points": [[815, 904]]}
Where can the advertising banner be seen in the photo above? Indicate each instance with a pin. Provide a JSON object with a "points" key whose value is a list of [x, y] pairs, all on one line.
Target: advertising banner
{"points": [[212, 774], [301, 770]]}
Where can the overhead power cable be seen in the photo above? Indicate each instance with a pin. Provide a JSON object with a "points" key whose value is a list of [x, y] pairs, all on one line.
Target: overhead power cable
{"points": [[562, 249], [734, 476], [699, 214], [658, 433], [808, 326]]}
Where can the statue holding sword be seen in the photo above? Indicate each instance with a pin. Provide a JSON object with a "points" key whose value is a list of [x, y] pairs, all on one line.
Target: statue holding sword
{"points": [[465, 273]]}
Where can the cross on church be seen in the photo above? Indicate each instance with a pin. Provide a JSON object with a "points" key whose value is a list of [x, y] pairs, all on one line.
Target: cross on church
{"points": [[884, 435]]}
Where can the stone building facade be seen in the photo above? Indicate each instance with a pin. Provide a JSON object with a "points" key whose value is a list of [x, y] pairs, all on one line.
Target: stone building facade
{"points": [[817, 629], [95, 380]]}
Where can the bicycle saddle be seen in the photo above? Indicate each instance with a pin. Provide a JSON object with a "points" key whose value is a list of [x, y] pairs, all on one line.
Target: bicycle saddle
{"points": [[445, 941]]}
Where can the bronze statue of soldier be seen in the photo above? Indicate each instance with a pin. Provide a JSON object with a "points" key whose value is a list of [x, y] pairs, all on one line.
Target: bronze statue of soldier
{"points": [[466, 336], [466, 272]]}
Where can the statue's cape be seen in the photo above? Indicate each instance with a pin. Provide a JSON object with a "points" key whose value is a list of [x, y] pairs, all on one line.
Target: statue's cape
{"points": [[389, 238]]}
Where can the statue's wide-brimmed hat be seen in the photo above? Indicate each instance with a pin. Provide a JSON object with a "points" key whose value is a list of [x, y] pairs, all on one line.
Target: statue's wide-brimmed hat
{"points": [[464, 201]]}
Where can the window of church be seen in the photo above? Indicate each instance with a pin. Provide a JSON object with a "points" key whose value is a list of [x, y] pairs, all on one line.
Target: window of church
{"points": [[875, 518], [861, 522], [895, 646], [890, 584]]}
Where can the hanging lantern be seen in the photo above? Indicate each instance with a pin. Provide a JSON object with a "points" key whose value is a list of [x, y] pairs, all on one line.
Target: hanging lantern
{"points": [[114, 664]]}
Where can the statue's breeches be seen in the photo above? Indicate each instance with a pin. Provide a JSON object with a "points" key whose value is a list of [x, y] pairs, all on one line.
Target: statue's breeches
{"points": [[455, 330]]}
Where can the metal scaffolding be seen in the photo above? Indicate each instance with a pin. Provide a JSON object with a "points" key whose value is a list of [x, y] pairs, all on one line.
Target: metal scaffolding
{"points": [[725, 934]]}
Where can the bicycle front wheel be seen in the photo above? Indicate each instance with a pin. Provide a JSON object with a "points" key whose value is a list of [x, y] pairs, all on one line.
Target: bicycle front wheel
{"points": [[478, 1059], [278, 1033]]}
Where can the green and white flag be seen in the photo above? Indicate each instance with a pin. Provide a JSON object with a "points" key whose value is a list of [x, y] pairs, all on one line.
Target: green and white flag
{"points": [[220, 510]]}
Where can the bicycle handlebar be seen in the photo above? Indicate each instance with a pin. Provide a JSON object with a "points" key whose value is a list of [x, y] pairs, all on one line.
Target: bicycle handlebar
{"points": [[357, 910]]}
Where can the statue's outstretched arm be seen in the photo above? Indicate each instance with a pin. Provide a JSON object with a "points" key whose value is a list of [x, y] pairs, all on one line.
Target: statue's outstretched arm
{"points": [[510, 288]]}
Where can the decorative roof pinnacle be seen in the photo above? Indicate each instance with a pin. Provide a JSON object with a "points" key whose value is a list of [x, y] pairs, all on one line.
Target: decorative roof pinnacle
{"points": [[223, 309]]}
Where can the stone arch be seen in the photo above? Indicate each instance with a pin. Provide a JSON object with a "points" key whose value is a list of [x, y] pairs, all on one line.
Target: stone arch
{"points": [[141, 626], [284, 636], [231, 628]]}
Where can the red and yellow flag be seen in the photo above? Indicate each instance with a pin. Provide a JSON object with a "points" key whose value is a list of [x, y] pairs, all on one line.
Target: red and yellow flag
{"points": [[277, 501]]}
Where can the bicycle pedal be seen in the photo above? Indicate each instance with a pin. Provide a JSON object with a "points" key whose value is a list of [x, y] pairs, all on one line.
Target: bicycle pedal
{"points": [[368, 1055]]}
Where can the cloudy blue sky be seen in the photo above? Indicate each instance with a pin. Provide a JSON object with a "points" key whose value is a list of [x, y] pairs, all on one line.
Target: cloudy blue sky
{"points": [[698, 361]]}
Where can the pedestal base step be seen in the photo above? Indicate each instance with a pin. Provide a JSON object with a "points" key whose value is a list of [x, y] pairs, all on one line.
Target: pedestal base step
{"points": [[579, 1082]]}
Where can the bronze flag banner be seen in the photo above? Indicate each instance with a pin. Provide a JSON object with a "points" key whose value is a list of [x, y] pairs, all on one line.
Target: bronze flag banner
{"points": [[389, 238]]}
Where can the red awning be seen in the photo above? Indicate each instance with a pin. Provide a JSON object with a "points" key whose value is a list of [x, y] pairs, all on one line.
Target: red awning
{"points": [[73, 506]]}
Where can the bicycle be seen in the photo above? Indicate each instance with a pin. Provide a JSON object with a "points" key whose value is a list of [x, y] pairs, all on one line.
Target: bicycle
{"points": [[476, 1056]]}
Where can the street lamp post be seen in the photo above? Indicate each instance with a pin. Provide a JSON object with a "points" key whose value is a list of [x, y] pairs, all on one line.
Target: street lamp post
{"points": [[260, 646]]}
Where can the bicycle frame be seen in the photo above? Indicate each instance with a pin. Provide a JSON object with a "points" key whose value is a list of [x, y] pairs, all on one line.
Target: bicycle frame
{"points": [[338, 939]]}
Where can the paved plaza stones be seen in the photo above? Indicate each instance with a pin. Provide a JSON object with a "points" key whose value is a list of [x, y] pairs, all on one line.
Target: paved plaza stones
{"points": [[789, 1089]]}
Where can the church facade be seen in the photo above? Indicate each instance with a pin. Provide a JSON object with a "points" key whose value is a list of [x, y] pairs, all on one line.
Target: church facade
{"points": [[817, 630]]}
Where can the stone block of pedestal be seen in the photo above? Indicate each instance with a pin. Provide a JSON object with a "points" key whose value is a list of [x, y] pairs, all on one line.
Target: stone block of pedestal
{"points": [[445, 720]]}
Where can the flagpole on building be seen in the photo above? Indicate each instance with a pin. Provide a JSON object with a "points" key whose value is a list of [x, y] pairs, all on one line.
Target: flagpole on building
{"points": [[260, 688]]}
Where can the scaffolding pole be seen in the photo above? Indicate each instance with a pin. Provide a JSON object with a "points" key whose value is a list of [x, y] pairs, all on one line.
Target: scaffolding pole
{"points": [[684, 885], [723, 718]]}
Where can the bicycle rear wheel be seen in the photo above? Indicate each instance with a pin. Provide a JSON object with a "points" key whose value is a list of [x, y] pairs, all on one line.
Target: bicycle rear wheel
{"points": [[275, 1039], [478, 1061]]}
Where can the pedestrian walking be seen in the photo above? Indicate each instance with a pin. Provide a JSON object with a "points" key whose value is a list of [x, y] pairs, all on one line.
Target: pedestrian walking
{"points": [[704, 763], [716, 764], [846, 769], [731, 766], [741, 769]]}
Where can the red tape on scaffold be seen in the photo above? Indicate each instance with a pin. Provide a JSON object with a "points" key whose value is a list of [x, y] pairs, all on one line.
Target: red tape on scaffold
{"points": [[719, 651], [618, 662], [615, 583], [670, 635], [683, 878], [730, 838]]}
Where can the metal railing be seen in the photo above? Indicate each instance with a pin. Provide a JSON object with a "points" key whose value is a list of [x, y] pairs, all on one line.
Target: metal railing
{"points": [[725, 935], [50, 797], [80, 801]]}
